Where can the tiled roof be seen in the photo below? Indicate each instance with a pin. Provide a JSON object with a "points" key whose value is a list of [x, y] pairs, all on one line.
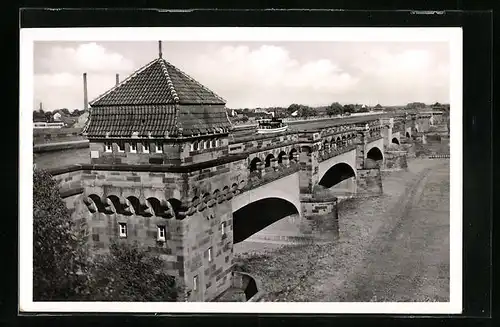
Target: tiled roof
{"points": [[158, 82], [157, 120], [157, 100]]}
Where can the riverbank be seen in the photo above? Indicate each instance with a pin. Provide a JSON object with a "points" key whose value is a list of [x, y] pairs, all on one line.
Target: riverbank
{"points": [[391, 248]]}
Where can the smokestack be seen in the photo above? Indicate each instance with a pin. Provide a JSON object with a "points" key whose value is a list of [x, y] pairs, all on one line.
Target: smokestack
{"points": [[117, 79], [41, 107], [85, 97]]}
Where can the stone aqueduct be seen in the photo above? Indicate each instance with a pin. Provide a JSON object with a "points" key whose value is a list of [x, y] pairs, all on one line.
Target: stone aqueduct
{"points": [[151, 181], [278, 175]]}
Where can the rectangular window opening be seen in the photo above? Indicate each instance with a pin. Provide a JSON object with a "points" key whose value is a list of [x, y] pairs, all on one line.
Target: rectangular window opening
{"points": [[195, 283], [108, 147], [123, 229], [121, 146], [209, 254], [145, 147], [159, 148], [161, 233], [133, 147]]}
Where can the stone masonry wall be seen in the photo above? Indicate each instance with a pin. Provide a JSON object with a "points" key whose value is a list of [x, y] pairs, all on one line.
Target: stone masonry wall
{"points": [[369, 182], [395, 160], [320, 219]]}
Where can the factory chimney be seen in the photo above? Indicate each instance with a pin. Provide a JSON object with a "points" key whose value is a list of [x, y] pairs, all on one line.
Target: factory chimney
{"points": [[41, 107], [85, 97], [117, 79]]}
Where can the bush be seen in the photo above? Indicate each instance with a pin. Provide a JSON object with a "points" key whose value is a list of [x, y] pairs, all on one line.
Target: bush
{"points": [[59, 253], [129, 273]]}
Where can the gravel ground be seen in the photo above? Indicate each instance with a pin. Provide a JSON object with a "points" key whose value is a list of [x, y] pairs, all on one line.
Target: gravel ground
{"points": [[391, 248]]}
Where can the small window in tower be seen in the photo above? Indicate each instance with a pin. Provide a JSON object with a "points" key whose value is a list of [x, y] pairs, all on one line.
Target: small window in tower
{"points": [[145, 147], [161, 233], [121, 146], [209, 254], [195, 283], [123, 229], [159, 147], [108, 147], [133, 147]]}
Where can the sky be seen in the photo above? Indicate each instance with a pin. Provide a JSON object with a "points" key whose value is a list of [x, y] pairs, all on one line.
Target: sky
{"points": [[253, 74]]}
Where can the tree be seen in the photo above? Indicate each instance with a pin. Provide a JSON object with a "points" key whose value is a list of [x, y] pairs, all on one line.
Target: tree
{"points": [[349, 108], [334, 109], [59, 252], [129, 273], [292, 108]]}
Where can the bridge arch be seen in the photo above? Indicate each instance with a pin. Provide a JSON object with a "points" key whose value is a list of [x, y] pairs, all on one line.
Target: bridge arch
{"points": [[375, 154], [395, 140], [337, 174], [251, 218], [293, 151]]}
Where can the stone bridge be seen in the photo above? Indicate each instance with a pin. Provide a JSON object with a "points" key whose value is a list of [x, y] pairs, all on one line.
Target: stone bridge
{"points": [[192, 215]]}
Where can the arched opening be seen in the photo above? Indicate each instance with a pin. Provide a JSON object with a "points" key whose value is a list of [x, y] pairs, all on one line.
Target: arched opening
{"points": [[252, 218], [281, 156], [375, 154], [113, 204], [97, 201], [395, 141], [195, 146], [374, 158], [268, 160], [344, 140], [408, 135], [253, 164], [134, 204], [176, 206], [156, 206], [338, 142], [337, 174], [292, 153]]}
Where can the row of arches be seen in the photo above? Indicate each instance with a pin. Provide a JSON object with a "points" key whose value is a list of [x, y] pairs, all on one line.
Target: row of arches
{"points": [[171, 208], [205, 144], [131, 205], [254, 163]]}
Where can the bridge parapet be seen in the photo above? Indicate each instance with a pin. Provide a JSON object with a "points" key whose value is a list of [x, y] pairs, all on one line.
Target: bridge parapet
{"points": [[330, 153], [255, 179]]}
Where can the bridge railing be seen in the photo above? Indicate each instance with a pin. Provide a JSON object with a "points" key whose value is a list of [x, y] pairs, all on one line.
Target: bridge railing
{"points": [[255, 179]]}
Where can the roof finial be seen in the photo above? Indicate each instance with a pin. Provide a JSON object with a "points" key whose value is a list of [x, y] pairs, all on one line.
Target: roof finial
{"points": [[159, 48]]}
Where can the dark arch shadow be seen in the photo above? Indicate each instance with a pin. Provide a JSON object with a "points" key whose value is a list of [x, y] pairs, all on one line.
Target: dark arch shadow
{"points": [[395, 141], [281, 156], [408, 135], [337, 174], [268, 160], [257, 215], [253, 164], [375, 154], [292, 153]]}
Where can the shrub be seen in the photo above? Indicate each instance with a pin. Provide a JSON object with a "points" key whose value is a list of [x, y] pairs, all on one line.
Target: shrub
{"points": [[129, 273], [59, 252]]}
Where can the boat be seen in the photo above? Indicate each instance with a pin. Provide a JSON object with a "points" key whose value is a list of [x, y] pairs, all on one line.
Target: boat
{"points": [[271, 125]]}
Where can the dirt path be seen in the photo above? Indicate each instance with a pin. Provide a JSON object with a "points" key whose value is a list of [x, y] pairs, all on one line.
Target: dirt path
{"points": [[392, 248]]}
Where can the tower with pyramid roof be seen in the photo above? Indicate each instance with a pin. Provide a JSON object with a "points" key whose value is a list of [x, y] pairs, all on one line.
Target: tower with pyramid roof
{"points": [[161, 175], [158, 115]]}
